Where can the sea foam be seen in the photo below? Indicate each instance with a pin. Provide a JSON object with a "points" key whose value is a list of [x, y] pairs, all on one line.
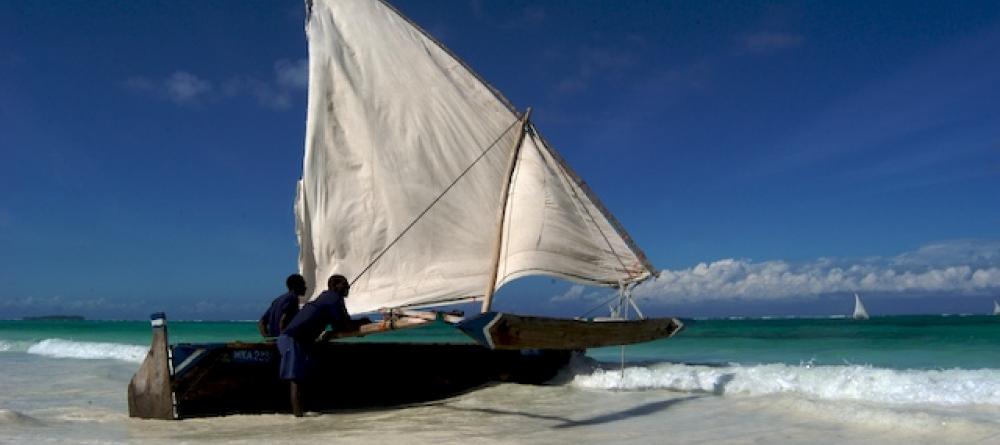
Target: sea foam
{"points": [[857, 383], [59, 348]]}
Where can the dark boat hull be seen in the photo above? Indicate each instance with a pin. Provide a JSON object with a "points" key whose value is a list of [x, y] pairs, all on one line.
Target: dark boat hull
{"points": [[198, 380]]}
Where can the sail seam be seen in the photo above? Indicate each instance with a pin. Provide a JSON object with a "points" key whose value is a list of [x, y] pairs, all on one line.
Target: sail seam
{"points": [[434, 202]]}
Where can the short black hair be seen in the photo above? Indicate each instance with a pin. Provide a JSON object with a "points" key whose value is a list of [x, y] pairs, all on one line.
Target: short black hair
{"points": [[336, 281], [293, 280]]}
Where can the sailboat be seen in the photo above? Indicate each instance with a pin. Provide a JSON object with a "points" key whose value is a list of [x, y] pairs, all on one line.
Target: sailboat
{"points": [[996, 307], [859, 309], [426, 187]]}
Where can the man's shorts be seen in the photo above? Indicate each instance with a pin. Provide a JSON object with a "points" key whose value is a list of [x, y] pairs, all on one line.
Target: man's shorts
{"points": [[294, 359]]}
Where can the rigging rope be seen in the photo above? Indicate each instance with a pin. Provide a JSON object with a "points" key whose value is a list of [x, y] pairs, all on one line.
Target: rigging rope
{"points": [[434, 202]]}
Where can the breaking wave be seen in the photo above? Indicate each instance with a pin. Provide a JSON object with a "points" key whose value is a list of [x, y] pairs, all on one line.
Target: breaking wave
{"points": [[59, 348], [855, 383]]}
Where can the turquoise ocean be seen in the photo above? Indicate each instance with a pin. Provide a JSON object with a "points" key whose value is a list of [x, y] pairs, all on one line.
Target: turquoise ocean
{"points": [[893, 379]]}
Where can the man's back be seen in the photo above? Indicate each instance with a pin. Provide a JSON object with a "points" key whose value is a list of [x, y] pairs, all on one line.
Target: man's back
{"points": [[285, 306], [327, 309]]}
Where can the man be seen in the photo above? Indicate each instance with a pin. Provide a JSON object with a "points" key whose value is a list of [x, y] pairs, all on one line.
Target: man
{"points": [[296, 339], [283, 308]]}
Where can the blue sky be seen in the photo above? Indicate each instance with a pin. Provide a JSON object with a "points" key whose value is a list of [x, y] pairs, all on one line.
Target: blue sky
{"points": [[771, 157]]}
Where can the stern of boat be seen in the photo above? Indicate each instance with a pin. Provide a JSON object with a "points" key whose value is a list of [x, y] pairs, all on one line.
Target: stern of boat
{"points": [[150, 392]]}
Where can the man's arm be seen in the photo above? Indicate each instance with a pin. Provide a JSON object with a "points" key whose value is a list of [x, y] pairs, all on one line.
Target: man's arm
{"points": [[262, 326], [285, 319]]}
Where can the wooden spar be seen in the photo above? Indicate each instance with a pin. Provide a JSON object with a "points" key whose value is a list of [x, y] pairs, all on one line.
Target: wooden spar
{"points": [[394, 319], [376, 327], [451, 318], [504, 192]]}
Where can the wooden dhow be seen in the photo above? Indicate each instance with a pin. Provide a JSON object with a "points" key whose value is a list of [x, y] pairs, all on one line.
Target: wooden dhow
{"points": [[426, 187]]}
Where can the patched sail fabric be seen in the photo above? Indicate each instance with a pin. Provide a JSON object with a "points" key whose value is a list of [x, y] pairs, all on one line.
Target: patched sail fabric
{"points": [[553, 226], [406, 153]]}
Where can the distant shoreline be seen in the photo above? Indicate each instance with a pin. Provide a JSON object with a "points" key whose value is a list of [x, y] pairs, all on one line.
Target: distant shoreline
{"points": [[55, 318]]}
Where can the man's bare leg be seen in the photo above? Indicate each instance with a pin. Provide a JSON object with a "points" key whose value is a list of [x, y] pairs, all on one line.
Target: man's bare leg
{"points": [[296, 399]]}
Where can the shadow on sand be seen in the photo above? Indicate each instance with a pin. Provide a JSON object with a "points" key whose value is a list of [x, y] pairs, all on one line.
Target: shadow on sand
{"points": [[636, 411]]}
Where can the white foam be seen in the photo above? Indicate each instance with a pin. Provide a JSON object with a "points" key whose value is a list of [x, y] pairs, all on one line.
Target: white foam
{"points": [[59, 348], [858, 383]]}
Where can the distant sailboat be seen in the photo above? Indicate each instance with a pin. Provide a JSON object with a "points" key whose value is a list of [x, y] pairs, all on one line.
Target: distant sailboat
{"points": [[996, 308], [859, 309]]}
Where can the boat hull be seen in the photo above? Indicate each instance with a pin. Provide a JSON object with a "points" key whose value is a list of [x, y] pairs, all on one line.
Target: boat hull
{"points": [[242, 378]]}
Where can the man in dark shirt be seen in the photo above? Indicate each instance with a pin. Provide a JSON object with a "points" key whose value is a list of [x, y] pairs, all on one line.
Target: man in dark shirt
{"points": [[283, 309], [297, 338]]}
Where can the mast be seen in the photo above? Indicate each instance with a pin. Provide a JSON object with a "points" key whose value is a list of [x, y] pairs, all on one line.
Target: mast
{"points": [[498, 240]]}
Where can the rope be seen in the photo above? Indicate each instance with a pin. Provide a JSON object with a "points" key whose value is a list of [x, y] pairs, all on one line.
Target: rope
{"points": [[599, 305], [434, 202]]}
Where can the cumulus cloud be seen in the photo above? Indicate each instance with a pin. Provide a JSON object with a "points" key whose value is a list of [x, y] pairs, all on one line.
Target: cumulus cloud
{"points": [[766, 41], [956, 268], [290, 77]]}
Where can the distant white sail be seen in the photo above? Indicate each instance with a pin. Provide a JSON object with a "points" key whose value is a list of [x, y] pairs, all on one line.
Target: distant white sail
{"points": [[996, 308], [859, 309], [406, 153]]}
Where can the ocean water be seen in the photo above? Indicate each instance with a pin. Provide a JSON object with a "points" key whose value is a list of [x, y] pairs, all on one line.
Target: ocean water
{"points": [[903, 379]]}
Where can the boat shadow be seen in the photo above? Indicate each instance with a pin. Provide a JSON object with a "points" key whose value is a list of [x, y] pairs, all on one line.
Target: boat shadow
{"points": [[563, 422]]}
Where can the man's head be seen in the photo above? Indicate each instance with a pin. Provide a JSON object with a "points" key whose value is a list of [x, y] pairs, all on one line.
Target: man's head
{"points": [[339, 284], [296, 284]]}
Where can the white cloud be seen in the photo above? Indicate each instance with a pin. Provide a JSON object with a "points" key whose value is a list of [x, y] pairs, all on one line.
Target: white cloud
{"points": [[185, 88], [957, 268], [292, 74], [764, 42], [575, 292], [267, 95]]}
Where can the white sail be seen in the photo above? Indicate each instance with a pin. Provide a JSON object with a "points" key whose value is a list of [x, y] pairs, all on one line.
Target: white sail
{"points": [[553, 227], [859, 309], [996, 308], [405, 156]]}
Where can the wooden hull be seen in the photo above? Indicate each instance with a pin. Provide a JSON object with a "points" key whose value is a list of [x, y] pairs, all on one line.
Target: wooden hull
{"points": [[196, 380], [501, 331]]}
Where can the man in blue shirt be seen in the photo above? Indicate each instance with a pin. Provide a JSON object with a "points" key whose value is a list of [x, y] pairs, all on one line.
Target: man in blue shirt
{"points": [[294, 343], [283, 309]]}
